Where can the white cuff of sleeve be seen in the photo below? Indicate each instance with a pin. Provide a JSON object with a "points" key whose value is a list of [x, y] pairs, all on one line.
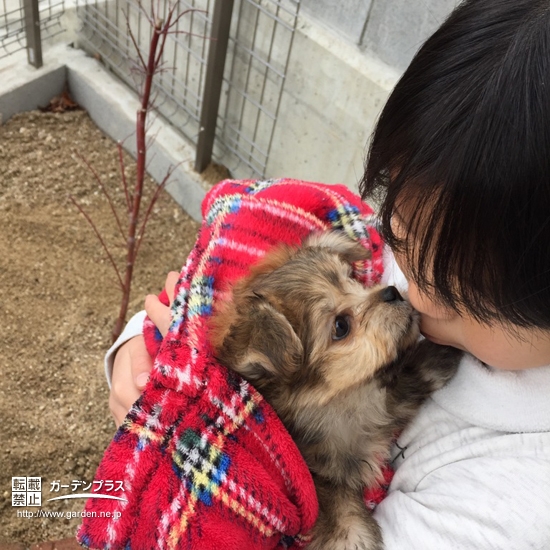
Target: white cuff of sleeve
{"points": [[134, 327]]}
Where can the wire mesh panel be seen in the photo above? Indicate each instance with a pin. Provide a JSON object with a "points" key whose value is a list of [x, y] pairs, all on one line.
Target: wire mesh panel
{"points": [[258, 52], [178, 86], [12, 23], [51, 12], [12, 27]]}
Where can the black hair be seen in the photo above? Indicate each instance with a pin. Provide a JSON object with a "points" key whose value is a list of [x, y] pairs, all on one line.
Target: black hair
{"points": [[466, 132]]}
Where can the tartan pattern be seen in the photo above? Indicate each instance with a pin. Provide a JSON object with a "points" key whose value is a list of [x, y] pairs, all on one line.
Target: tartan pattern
{"points": [[201, 464], [205, 461]]}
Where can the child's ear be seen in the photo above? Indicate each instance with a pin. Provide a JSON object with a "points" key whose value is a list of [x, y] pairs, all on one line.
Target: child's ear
{"points": [[257, 341], [339, 243]]}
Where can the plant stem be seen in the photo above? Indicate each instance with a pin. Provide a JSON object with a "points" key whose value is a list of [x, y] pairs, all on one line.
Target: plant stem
{"points": [[151, 67]]}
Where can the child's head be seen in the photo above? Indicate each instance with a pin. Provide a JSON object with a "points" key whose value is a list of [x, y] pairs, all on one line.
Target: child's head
{"points": [[461, 154]]}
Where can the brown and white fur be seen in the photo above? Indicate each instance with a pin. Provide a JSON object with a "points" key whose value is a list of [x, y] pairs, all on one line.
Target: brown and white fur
{"points": [[341, 366]]}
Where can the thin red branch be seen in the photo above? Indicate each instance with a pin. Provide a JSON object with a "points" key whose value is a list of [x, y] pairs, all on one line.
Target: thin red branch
{"points": [[151, 157], [105, 192], [153, 102], [123, 140], [123, 174], [164, 34], [152, 139], [185, 12], [152, 203], [135, 67], [132, 37], [165, 28], [92, 224], [140, 175], [150, 18], [162, 67], [162, 24]]}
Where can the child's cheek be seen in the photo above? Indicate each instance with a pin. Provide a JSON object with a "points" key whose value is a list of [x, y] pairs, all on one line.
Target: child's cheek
{"points": [[426, 306]]}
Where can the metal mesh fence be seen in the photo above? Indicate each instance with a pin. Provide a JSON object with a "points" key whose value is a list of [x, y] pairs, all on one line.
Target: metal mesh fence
{"points": [[178, 88], [12, 23], [257, 58], [259, 50]]}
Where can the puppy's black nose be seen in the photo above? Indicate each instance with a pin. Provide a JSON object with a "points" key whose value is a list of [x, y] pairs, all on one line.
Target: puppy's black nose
{"points": [[390, 294]]}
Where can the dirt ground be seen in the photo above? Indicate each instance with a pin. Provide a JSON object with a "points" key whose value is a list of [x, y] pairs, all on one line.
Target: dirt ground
{"points": [[58, 301]]}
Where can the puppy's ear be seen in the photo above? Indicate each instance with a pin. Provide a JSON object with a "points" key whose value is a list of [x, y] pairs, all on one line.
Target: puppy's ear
{"points": [[254, 339], [339, 243]]}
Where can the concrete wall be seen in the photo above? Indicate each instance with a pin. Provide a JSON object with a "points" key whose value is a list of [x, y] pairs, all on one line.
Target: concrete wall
{"points": [[393, 30], [396, 29], [331, 99]]}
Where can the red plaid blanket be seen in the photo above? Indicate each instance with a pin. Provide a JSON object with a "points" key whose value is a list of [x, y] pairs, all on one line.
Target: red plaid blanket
{"points": [[205, 461]]}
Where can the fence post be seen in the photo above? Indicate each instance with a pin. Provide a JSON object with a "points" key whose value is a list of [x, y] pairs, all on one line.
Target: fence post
{"points": [[221, 22], [32, 31]]}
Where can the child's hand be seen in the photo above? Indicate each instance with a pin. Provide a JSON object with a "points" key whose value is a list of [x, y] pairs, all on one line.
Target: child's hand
{"points": [[132, 363], [131, 369], [156, 310]]}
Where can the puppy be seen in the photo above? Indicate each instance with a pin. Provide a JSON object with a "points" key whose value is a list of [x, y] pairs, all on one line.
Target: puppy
{"points": [[341, 366]]}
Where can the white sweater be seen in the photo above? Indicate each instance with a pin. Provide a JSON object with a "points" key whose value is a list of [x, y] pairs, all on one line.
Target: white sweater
{"points": [[473, 469]]}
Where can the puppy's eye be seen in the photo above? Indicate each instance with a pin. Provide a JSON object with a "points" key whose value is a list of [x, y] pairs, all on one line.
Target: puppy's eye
{"points": [[341, 327]]}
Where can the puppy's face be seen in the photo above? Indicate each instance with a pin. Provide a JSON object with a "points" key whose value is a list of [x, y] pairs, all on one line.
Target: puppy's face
{"points": [[300, 321]]}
